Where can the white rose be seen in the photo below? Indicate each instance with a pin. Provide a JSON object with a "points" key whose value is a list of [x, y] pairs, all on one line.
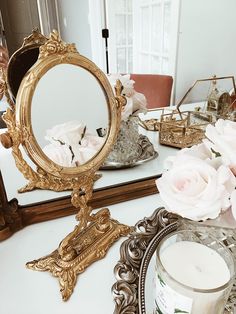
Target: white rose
{"points": [[200, 151], [222, 139], [194, 189], [139, 103], [127, 83], [136, 102], [60, 154], [69, 133], [90, 146], [233, 203], [127, 110]]}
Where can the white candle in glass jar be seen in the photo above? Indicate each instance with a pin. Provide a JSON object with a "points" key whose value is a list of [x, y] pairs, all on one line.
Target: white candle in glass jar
{"points": [[196, 270], [195, 265]]}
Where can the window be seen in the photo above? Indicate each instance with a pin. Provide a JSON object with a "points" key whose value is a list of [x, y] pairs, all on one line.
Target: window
{"points": [[120, 24], [142, 35], [152, 40]]}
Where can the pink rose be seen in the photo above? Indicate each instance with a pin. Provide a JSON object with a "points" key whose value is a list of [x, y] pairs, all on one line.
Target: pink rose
{"points": [[60, 154], [233, 203], [196, 190], [69, 133], [222, 139], [200, 151], [136, 102]]}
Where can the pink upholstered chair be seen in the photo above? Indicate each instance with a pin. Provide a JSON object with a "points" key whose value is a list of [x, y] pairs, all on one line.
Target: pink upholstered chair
{"points": [[156, 88]]}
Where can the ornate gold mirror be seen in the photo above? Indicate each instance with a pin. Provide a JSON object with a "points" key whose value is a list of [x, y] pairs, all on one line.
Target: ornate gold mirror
{"points": [[50, 122]]}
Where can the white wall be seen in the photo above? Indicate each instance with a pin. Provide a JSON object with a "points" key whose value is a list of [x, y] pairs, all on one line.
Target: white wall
{"points": [[74, 24], [207, 42], [206, 38]]}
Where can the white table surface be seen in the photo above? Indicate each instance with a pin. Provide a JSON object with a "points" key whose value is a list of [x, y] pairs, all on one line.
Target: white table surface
{"points": [[23, 291]]}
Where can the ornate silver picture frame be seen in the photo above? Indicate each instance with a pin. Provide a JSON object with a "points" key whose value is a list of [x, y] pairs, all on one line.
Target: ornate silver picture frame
{"points": [[137, 251]]}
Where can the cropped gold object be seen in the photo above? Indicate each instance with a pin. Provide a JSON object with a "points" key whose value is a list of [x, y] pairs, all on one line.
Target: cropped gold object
{"points": [[187, 128], [181, 129], [95, 232]]}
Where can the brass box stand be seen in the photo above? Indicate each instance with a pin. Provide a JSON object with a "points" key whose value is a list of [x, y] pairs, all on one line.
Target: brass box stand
{"points": [[86, 247]]}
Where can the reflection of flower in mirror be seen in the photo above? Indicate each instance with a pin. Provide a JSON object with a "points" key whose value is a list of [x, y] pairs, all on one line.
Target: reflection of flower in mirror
{"points": [[60, 154], [67, 133], [136, 102], [71, 145]]}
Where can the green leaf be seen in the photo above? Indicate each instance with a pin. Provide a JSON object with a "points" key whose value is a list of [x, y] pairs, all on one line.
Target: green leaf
{"points": [[161, 281], [158, 311], [180, 311], [217, 154]]}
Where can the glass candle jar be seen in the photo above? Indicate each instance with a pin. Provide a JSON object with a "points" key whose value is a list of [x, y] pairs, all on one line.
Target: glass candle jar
{"points": [[194, 274]]}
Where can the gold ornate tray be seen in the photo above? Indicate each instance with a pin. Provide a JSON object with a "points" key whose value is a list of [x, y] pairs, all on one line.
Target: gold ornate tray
{"points": [[137, 251]]}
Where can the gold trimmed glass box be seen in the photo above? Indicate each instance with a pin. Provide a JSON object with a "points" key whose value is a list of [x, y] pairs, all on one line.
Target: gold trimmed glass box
{"points": [[183, 129], [209, 99]]}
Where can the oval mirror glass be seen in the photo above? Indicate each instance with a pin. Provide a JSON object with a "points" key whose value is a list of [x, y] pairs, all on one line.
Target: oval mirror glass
{"points": [[73, 113]]}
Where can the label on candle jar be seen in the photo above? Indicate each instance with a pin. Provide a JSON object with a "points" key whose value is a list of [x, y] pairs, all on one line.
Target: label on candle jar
{"points": [[168, 301]]}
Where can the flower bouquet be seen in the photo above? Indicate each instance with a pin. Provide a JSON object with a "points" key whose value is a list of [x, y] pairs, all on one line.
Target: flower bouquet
{"points": [[200, 182], [131, 148]]}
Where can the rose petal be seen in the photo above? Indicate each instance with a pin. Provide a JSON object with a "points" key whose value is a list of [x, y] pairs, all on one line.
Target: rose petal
{"points": [[233, 203]]}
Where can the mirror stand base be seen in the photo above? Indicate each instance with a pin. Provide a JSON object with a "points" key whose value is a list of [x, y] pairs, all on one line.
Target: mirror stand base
{"points": [[90, 245]]}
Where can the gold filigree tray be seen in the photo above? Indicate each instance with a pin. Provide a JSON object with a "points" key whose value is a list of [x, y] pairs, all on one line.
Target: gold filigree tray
{"points": [[153, 124], [137, 251]]}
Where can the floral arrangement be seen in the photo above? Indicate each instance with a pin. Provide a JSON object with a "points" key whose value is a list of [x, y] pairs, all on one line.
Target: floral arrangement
{"points": [[71, 145], [200, 181], [136, 102], [130, 146]]}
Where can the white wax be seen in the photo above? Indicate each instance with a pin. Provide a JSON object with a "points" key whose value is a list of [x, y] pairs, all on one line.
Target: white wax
{"points": [[195, 265]]}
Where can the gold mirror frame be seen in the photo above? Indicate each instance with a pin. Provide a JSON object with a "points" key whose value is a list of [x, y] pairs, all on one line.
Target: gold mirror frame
{"points": [[56, 52], [52, 54], [95, 233], [16, 216]]}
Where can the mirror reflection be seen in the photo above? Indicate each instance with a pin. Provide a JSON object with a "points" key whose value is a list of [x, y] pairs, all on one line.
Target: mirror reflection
{"points": [[71, 114]]}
